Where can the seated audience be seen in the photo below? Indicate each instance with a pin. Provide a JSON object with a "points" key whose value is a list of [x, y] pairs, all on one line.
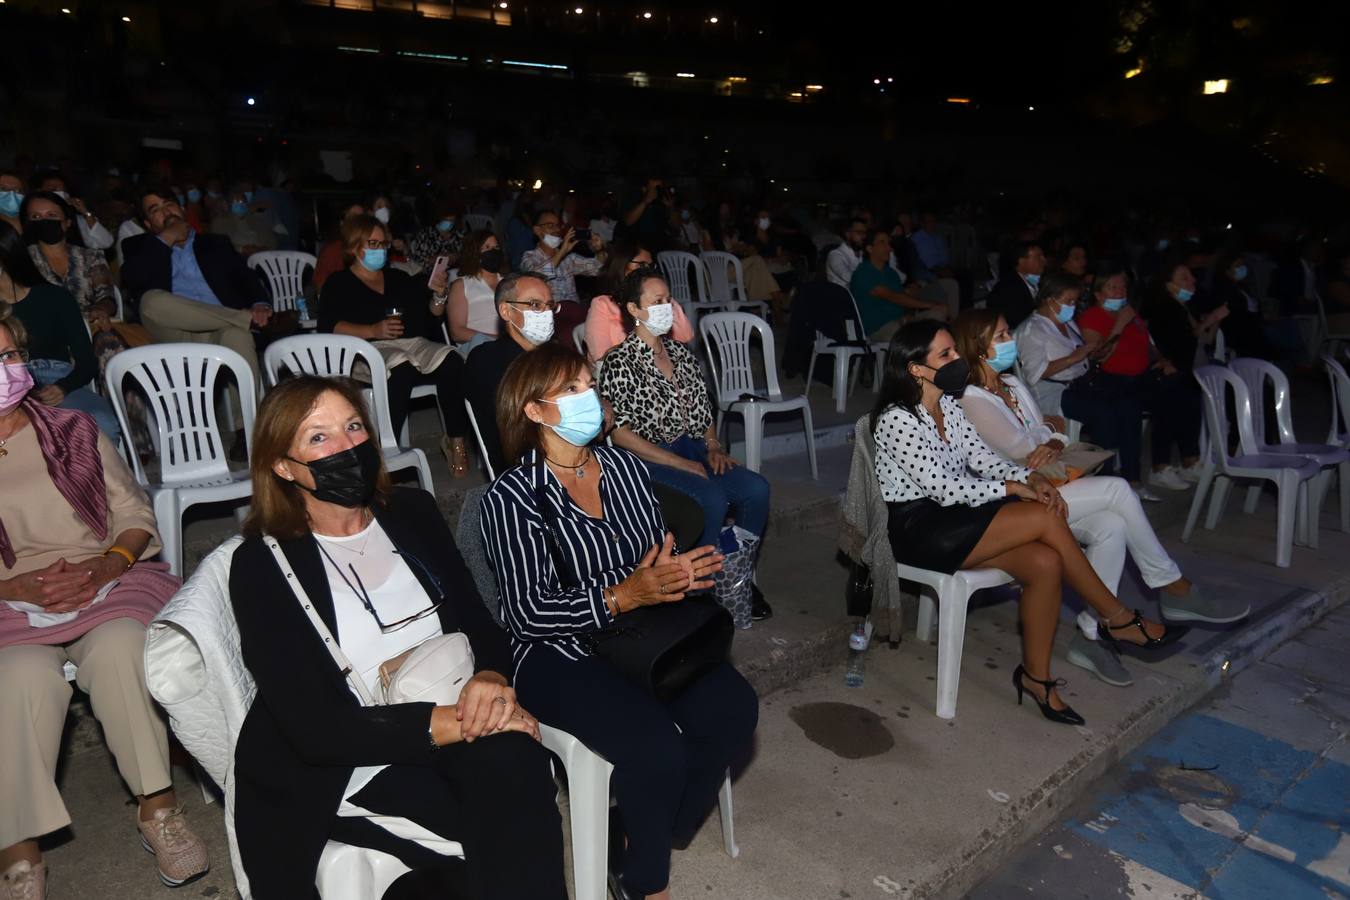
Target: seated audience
{"points": [[1014, 297], [93, 234], [61, 357], [553, 258], [879, 291], [1074, 261], [1103, 513], [396, 313], [471, 315], [951, 508], [74, 529], [646, 215], [444, 237], [845, 258], [249, 229], [597, 503], [315, 763], [11, 199], [1246, 329], [760, 284], [332, 256], [382, 208], [604, 318], [662, 413]]}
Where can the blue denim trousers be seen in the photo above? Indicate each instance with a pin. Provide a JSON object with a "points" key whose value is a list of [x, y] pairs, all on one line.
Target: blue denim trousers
{"points": [[738, 491], [50, 371]]}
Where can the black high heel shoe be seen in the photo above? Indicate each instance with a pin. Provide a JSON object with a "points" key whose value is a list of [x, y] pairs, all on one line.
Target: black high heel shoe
{"points": [[1171, 634], [1065, 716]]}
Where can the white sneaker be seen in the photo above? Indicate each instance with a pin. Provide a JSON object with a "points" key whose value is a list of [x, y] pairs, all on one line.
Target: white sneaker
{"points": [[24, 881], [1191, 473], [1143, 493], [1168, 478]]}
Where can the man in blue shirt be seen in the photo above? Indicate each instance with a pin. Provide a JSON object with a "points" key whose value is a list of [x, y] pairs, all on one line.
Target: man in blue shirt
{"points": [[880, 294]]}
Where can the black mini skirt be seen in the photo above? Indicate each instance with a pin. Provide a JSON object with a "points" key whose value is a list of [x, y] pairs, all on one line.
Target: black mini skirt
{"points": [[927, 535]]}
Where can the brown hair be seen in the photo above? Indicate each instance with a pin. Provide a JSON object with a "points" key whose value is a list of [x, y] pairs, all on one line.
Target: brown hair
{"points": [[630, 291], [279, 505], [531, 377], [974, 331], [10, 321], [355, 232], [471, 253]]}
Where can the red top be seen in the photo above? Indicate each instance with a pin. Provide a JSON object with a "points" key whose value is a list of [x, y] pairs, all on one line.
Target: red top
{"points": [[1131, 354]]}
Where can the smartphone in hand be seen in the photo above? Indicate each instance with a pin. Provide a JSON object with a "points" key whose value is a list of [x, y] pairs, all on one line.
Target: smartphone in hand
{"points": [[441, 267]]}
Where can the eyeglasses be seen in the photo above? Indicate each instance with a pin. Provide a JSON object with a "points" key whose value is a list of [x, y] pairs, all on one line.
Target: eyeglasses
{"points": [[536, 305], [363, 595], [13, 357], [378, 245]]}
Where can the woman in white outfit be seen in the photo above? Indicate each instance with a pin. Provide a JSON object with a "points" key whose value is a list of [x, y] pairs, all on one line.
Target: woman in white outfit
{"points": [[1105, 515]]}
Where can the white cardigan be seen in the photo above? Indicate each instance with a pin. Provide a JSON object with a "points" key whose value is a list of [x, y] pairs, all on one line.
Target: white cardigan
{"points": [[1002, 429]]}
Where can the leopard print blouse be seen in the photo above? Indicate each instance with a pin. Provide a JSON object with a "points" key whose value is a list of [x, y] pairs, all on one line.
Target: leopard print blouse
{"points": [[655, 408]]}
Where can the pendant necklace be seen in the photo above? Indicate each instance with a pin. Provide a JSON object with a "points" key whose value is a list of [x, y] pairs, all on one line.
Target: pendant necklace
{"points": [[579, 468]]}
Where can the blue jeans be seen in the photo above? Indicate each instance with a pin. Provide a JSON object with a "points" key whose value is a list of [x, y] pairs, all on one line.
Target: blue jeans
{"points": [[738, 490], [50, 371]]}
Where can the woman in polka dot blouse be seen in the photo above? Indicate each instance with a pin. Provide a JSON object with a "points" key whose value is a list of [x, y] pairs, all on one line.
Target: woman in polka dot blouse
{"points": [[950, 497]]}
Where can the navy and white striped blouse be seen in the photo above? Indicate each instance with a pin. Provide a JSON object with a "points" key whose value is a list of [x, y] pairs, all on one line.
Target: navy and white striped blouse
{"points": [[602, 552]]}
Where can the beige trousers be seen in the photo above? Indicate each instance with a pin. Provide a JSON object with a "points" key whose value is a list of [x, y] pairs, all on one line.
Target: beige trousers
{"points": [[170, 319], [110, 663]]}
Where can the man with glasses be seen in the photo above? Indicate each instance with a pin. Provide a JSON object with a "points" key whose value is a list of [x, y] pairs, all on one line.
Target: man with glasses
{"points": [[554, 259]]}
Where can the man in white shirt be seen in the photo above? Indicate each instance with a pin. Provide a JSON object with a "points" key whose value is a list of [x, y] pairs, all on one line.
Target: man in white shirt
{"points": [[92, 232], [842, 260]]}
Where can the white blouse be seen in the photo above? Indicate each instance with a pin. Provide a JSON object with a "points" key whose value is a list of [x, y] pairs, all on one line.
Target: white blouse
{"points": [[1039, 342], [479, 296], [1013, 435], [913, 461]]}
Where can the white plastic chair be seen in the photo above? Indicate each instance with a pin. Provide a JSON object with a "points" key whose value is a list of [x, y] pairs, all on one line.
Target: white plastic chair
{"points": [[482, 448], [844, 353], [335, 356], [180, 382], [479, 222], [588, 798], [417, 393], [579, 339], [284, 271], [693, 294], [1221, 352], [733, 378], [119, 313], [1322, 325], [952, 594], [1291, 474], [1340, 401], [1332, 457], [726, 282]]}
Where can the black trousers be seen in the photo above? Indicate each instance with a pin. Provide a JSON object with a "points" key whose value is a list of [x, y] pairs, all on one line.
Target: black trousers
{"points": [[665, 779], [1175, 406], [495, 796], [1109, 408], [448, 378]]}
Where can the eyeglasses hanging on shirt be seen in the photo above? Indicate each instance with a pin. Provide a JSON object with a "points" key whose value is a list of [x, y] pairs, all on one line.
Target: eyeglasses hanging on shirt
{"points": [[359, 590]]}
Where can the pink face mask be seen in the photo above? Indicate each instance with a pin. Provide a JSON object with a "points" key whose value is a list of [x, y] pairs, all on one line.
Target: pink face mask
{"points": [[15, 383]]}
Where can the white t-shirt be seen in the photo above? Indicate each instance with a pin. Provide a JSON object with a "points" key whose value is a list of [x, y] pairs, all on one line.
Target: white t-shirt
{"points": [[482, 307]]}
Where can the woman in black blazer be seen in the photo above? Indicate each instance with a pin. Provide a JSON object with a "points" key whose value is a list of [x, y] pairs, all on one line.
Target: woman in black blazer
{"points": [[312, 763]]}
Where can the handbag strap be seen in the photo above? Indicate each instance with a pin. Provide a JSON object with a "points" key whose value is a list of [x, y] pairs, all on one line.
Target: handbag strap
{"points": [[566, 576], [343, 663]]}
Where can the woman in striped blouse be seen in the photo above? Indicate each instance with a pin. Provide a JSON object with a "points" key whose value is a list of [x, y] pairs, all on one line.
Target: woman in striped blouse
{"points": [[669, 758]]}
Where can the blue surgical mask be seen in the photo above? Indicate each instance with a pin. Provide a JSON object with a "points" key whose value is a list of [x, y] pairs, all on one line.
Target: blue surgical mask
{"points": [[1033, 279], [179, 198], [374, 260], [239, 208], [1065, 314], [1005, 355], [1184, 295], [194, 195], [1113, 304], [10, 201], [581, 417], [1240, 273], [248, 196], [444, 225]]}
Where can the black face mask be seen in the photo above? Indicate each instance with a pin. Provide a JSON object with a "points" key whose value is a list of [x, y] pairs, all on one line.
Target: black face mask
{"points": [[346, 478], [491, 260], [951, 378], [47, 231]]}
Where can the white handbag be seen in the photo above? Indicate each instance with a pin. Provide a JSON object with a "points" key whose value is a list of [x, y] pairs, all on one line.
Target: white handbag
{"points": [[434, 671]]}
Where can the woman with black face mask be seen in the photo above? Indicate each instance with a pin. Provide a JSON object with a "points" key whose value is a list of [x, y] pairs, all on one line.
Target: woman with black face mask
{"points": [[951, 507], [316, 760], [471, 312]]}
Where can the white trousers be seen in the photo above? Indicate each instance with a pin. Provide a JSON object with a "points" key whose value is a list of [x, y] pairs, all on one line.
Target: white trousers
{"points": [[1108, 519]]}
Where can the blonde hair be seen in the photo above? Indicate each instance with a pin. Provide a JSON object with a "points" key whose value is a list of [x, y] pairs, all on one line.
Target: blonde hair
{"points": [[355, 232], [10, 321]]}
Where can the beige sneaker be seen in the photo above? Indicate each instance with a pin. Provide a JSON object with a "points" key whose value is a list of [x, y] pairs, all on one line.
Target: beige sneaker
{"points": [[24, 881], [180, 853]]}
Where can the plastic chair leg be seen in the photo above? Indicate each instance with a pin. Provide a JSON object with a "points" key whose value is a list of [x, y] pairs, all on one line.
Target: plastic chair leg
{"points": [[810, 374], [1343, 474], [878, 370], [754, 438], [951, 639], [923, 629], [728, 819], [810, 430], [1198, 501], [1223, 486], [588, 797], [1285, 523], [1312, 494], [170, 520], [840, 386], [854, 373], [203, 782], [424, 473], [1253, 498]]}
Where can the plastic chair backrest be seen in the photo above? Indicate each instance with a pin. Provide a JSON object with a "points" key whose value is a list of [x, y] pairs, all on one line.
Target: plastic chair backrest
{"points": [[579, 339], [335, 356], [720, 286], [727, 336], [1340, 397], [1254, 373], [1220, 346], [180, 383], [1214, 380], [119, 315], [285, 274], [677, 265], [479, 222]]}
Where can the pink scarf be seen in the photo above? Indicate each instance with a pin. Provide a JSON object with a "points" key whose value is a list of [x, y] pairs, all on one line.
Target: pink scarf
{"points": [[69, 442]]}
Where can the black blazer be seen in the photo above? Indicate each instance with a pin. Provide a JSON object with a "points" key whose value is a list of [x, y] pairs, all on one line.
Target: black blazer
{"points": [[306, 731], [1012, 299], [148, 266]]}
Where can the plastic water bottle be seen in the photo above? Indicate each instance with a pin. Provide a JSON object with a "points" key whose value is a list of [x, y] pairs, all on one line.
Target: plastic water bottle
{"points": [[303, 308], [858, 643]]}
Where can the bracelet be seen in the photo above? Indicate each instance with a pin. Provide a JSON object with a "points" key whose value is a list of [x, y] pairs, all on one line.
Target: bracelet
{"points": [[122, 552], [611, 598], [431, 739]]}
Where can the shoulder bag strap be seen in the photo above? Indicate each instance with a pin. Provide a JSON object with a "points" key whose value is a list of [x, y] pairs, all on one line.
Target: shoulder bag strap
{"points": [[566, 576], [339, 658]]}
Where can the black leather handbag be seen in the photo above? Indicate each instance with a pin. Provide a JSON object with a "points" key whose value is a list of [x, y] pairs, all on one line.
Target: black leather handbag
{"points": [[662, 649]]}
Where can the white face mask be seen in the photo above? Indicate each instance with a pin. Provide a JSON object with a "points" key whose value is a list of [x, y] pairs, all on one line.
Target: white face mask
{"points": [[538, 327], [552, 241], [763, 224], [660, 318], [382, 214]]}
